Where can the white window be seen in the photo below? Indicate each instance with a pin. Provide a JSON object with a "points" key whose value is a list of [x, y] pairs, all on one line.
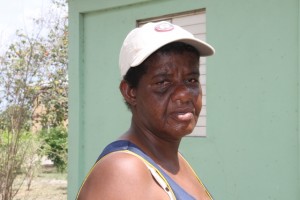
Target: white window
{"points": [[194, 22]]}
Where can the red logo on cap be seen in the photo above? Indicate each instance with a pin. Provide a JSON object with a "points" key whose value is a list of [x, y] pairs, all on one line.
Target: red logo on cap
{"points": [[163, 27]]}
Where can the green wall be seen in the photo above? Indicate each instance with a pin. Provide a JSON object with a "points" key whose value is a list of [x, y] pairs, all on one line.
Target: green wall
{"points": [[252, 146]]}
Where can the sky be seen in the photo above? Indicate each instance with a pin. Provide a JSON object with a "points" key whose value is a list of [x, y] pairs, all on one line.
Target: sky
{"points": [[18, 14]]}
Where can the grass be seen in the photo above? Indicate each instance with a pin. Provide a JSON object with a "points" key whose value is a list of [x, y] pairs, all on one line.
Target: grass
{"points": [[47, 185]]}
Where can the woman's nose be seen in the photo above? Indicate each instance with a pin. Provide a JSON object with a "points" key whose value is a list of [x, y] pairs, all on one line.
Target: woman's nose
{"points": [[182, 94]]}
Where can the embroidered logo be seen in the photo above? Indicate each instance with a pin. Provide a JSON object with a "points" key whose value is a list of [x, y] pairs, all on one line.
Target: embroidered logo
{"points": [[164, 27]]}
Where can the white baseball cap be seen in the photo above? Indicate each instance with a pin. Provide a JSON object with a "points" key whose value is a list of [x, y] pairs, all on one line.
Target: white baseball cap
{"points": [[141, 42]]}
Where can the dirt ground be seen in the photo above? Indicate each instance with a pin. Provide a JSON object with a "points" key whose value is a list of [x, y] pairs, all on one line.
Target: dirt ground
{"points": [[46, 186]]}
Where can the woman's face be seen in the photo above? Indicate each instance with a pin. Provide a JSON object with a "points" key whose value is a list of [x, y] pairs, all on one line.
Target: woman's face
{"points": [[168, 96]]}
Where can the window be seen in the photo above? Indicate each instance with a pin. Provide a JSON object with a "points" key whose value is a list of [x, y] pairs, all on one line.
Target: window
{"points": [[194, 22]]}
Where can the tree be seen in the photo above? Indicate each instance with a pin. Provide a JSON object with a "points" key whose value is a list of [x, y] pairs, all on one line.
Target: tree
{"points": [[55, 146], [33, 72]]}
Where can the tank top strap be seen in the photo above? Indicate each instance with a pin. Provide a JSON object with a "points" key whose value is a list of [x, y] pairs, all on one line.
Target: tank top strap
{"points": [[124, 145]]}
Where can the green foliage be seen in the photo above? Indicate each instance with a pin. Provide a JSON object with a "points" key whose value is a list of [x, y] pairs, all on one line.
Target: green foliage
{"points": [[15, 118], [17, 156], [33, 71], [33, 91], [55, 146]]}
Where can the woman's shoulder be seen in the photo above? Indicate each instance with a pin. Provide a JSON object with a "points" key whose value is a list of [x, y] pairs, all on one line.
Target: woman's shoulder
{"points": [[118, 164], [119, 175]]}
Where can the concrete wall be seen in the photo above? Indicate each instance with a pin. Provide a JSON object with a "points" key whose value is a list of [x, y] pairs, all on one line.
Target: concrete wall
{"points": [[252, 147]]}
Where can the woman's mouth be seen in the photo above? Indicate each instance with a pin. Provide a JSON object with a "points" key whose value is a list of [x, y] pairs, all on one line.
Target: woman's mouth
{"points": [[185, 116]]}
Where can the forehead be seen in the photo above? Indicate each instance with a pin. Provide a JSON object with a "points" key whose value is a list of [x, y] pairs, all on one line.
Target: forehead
{"points": [[162, 62]]}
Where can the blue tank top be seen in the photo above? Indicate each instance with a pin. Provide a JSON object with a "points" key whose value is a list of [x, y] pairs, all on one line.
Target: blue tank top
{"points": [[124, 145]]}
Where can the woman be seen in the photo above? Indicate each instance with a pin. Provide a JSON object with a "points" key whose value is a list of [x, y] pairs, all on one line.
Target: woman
{"points": [[159, 64]]}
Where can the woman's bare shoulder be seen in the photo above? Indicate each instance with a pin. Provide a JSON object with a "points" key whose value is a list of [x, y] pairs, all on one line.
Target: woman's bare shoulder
{"points": [[119, 175]]}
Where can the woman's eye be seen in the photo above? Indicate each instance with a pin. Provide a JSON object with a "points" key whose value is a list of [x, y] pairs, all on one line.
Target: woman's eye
{"points": [[162, 86], [162, 83], [193, 80]]}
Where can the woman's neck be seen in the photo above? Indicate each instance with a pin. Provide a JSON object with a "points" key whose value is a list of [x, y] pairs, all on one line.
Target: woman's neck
{"points": [[162, 150]]}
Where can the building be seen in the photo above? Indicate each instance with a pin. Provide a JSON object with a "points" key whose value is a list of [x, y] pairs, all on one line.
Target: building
{"points": [[248, 147]]}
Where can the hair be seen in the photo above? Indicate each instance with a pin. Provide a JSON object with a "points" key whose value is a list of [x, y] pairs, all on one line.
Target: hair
{"points": [[134, 74]]}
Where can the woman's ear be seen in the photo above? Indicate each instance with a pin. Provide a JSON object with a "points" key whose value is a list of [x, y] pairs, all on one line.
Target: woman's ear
{"points": [[128, 93]]}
